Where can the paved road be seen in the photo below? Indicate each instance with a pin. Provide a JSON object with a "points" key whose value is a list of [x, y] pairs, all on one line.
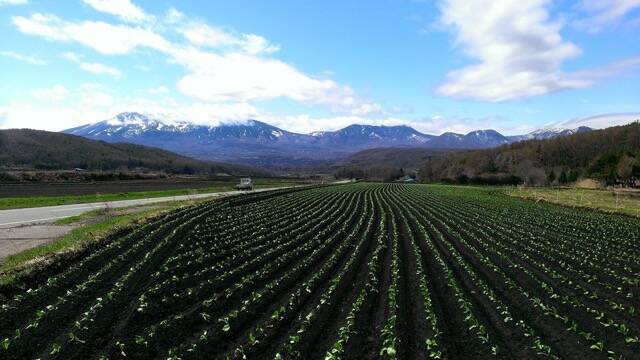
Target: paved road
{"points": [[16, 217]]}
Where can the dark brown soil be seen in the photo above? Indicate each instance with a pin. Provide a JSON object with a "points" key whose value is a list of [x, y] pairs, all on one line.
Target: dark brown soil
{"points": [[165, 288]]}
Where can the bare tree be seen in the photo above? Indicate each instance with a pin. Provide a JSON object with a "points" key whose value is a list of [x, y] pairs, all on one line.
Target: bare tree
{"points": [[536, 177], [625, 169]]}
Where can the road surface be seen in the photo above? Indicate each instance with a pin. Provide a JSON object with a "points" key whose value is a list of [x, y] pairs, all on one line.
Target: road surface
{"points": [[18, 217]]}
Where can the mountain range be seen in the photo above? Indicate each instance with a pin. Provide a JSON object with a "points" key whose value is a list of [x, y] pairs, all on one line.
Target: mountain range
{"points": [[259, 144]]}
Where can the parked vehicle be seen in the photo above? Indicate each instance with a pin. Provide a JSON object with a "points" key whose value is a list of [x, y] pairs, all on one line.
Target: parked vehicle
{"points": [[245, 184]]}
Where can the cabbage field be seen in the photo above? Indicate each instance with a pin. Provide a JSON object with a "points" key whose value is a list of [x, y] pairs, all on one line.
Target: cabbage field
{"points": [[355, 271]]}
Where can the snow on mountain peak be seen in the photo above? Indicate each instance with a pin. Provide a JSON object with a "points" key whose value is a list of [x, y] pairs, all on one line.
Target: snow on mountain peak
{"points": [[546, 130], [147, 121], [128, 118], [155, 129]]}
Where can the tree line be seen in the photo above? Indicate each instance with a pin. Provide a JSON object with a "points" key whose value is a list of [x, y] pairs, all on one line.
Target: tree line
{"points": [[611, 156], [377, 173]]}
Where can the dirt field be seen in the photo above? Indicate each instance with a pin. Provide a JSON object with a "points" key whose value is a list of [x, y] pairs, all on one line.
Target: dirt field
{"points": [[19, 238], [359, 271], [106, 187]]}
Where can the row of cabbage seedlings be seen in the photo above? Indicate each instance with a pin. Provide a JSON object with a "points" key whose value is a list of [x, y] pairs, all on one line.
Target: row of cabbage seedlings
{"points": [[568, 292], [222, 254], [562, 252], [597, 345], [61, 294], [230, 284], [335, 275], [331, 241], [597, 239], [111, 264], [285, 295], [430, 224]]}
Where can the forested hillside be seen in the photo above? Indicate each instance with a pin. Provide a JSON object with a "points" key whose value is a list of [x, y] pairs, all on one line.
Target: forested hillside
{"points": [[385, 164], [611, 155], [407, 158], [44, 150]]}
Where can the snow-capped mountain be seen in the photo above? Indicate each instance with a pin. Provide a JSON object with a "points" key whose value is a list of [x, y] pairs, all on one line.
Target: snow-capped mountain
{"points": [[130, 125], [548, 133], [357, 135], [474, 140], [134, 125], [257, 143]]}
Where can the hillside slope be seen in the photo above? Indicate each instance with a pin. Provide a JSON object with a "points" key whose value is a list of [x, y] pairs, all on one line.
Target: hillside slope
{"points": [[44, 150], [611, 155], [406, 158]]}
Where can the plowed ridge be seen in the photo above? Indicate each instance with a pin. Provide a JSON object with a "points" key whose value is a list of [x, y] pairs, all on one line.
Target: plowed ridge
{"points": [[357, 271]]}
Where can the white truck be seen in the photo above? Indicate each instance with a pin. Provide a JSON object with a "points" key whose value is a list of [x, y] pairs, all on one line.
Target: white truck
{"points": [[245, 184]]}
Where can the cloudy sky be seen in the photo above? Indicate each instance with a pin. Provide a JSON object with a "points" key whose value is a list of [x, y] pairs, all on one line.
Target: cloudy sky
{"points": [[441, 65]]}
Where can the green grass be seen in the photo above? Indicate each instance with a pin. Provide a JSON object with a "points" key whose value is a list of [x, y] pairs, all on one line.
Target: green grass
{"points": [[37, 201], [82, 217], [603, 200]]}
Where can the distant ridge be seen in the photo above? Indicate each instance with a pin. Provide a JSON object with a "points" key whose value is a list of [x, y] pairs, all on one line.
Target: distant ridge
{"points": [[44, 150], [260, 144], [409, 159]]}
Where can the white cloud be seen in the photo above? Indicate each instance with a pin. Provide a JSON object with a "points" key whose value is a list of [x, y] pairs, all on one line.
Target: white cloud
{"points": [[158, 90], [437, 125], [366, 109], [90, 86], [256, 44], [97, 105], [204, 35], [615, 68], [600, 121], [305, 123], [21, 57], [115, 39], [519, 49], [123, 9], [221, 65], [71, 56], [173, 16], [143, 68], [241, 77], [96, 99], [601, 13], [206, 114], [101, 69], [55, 93], [12, 2], [103, 37], [92, 67], [47, 26], [52, 118]]}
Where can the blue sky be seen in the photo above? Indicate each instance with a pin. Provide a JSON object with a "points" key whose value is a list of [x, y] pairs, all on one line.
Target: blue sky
{"points": [[448, 65]]}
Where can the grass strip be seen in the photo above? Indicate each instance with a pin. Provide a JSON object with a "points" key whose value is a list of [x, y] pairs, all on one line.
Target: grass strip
{"points": [[603, 200], [38, 201]]}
